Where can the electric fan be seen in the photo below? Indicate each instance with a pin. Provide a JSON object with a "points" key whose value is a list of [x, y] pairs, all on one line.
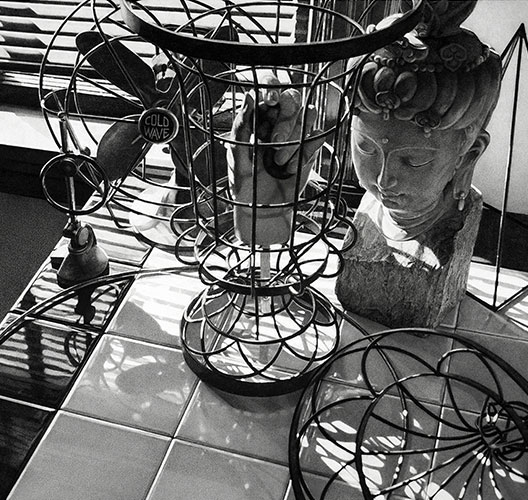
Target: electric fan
{"points": [[120, 101]]}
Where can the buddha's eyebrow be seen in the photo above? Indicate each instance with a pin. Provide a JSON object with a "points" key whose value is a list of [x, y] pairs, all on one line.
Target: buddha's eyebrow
{"points": [[416, 148]]}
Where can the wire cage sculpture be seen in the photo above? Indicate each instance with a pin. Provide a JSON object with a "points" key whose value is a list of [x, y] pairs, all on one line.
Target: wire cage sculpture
{"points": [[167, 113], [267, 168], [393, 415]]}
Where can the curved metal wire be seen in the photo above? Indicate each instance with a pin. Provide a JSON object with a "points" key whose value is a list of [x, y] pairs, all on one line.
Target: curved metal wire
{"points": [[377, 432], [271, 53], [258, 346], [256, 252]]}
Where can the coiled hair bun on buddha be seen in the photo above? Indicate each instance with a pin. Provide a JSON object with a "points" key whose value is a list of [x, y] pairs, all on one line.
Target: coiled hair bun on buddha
{"points": [[439, 76]]}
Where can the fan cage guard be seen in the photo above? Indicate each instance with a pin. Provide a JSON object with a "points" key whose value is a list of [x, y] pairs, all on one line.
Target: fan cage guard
{"points": [[261, 247], [378, 433]]}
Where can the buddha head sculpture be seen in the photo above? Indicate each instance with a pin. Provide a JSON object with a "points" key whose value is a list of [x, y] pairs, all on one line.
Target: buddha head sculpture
{"points": [[422, 106]]}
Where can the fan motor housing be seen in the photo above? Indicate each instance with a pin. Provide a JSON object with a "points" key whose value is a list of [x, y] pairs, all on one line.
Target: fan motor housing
{"points": [[158, 125]]}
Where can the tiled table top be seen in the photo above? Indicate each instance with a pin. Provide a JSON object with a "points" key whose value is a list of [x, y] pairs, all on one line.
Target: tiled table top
{"points": [[108, 409]]}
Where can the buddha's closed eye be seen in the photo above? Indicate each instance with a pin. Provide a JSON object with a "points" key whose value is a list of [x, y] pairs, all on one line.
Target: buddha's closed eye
{"points": [[418, 163]]}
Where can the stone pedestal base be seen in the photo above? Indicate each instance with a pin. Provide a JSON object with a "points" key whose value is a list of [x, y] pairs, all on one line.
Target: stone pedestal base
{"points": [[409, 283]]}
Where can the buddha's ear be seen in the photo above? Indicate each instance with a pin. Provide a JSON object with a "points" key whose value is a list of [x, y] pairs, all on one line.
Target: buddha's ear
{"points": [[466, 164]]}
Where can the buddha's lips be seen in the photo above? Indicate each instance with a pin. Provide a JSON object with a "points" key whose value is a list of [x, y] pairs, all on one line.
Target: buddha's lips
{"points": [[388, 196]]}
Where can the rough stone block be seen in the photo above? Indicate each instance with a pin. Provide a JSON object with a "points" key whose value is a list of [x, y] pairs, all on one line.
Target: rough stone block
{"points": [[409, 283]]}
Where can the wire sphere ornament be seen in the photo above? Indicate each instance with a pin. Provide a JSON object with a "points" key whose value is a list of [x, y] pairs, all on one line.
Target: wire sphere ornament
{"points": [[393, 415], [267, 163]]}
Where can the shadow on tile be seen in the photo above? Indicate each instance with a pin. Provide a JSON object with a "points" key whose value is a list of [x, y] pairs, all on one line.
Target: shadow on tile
{"points": [[134, 383], [257, 427]]}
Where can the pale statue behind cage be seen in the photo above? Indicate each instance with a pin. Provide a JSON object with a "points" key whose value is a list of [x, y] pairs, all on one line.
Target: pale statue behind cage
{"points": [[422, 106]]}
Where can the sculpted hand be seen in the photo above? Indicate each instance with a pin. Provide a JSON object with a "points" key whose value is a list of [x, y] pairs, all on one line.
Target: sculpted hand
{"points": [[279, 124]]}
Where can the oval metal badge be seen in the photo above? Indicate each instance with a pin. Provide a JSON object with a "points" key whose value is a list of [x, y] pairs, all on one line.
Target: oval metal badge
{"points": [[158, 125]]}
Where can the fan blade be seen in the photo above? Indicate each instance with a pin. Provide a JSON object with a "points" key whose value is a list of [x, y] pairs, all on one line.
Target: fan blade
{"points": [[201, 162], [211, 67], [120, 149], [216, 91], [137, 78]]}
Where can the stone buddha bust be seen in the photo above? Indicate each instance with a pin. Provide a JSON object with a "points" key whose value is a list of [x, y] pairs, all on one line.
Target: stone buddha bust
{"points": [[421, 110]]}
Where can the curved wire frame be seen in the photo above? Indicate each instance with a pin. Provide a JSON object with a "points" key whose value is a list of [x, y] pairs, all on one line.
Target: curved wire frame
{"points": [[262, 235], [329, 44], [437, 417], [258, 346]]}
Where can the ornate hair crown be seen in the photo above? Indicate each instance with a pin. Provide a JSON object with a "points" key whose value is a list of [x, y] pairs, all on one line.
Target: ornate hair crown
{"points": [[436, 76]]}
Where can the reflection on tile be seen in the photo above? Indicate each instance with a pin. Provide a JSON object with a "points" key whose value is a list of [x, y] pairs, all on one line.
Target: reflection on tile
{"points": [[477, 318], [485, 373], [20, 427], [84, 458], [479, 463], [114, 233], [154, 306], [39, 360], [253, 426], [135, 384], [90, 306], [195, 472], [397, 440]]}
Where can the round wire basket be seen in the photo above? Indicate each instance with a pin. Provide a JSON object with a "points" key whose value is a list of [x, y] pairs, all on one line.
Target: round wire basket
{"points": [[394, 415], [264, 112]]}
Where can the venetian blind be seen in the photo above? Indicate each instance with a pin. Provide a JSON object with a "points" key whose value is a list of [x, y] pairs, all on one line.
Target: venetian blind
{"points": [[28, 28]]}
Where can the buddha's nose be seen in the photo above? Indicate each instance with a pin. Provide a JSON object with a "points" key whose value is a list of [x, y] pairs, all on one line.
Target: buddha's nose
{"points": [[387, 178]]}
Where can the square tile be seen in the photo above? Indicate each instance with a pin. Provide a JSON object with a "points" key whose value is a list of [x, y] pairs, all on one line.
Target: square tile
{"points": [[20, 428], [85, 458], [449, 321], [254, 426], [517, 311], [39, 360], [353, 329], [196, 472], [92, 306], [361, 324], [133, 383], [6, 321], [482, 278], [397, 441], [154, 306], [162, 259]]}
